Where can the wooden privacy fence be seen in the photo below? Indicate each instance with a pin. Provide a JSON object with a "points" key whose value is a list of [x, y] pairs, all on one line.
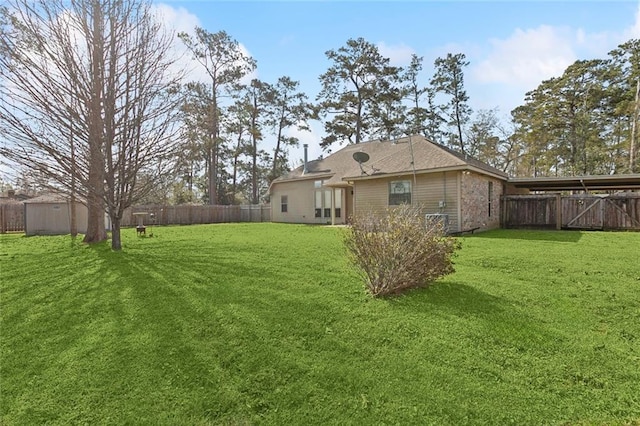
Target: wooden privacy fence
{"points": [[12, 215], [191, 214], [11, 218], [605, 212]]}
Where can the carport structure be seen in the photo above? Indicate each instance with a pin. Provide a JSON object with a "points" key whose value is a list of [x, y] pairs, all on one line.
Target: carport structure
{"points": [[610, 202]]}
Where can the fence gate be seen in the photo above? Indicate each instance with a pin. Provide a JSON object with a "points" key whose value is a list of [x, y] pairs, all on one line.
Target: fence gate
{"points": [[583, 212]]}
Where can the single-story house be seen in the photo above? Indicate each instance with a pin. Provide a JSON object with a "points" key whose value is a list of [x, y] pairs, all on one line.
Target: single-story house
{"points": [[377, 175], [50, 214]]}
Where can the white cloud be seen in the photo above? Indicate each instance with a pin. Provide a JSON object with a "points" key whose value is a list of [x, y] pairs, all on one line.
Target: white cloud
{"points": [[634, 30], [528, 57], [179, 20], [176, 19], [520, 62], [398, 55]]}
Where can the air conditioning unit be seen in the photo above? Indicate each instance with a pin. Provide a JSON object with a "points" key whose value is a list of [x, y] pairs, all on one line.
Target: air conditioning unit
{"points": [[440, 219]]}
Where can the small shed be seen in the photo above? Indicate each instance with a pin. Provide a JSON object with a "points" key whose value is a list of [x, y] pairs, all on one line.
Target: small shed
{"points": [[50, 214]]}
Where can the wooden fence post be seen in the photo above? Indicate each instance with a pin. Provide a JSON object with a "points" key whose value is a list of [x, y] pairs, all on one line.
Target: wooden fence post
{"points": [[558, 211]]}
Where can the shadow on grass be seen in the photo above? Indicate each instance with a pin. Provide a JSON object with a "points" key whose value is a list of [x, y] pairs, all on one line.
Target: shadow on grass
{"points": [[481, 317], [177, 276], [451, 297], [563, 236]]}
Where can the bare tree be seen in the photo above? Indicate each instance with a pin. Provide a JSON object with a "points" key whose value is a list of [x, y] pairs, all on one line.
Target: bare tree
{"points": [[87, 100]]}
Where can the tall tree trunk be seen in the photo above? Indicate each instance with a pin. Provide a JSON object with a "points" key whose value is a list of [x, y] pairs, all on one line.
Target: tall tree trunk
{"points": [[634, 130], [95, 198], [234, 182], [213, 166], [359, 119], [213, 174], [459, 125], [276, 151], [72, 200], [254, 155], [116, 241], [254, 173], [95, 216]]}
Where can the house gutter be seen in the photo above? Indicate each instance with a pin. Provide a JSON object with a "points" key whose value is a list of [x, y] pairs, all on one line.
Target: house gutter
{"points": [[427, 171], [300, 178], [313, 176], [340, 184]]}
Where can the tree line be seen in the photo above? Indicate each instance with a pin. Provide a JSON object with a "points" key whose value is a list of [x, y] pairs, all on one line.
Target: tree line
{"points": [[92, 104], [583, 122], [580, 123]]}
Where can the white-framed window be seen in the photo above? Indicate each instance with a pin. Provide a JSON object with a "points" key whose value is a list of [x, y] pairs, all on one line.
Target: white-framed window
{"points": [[318, 204], [399, 192], [322, 202], [284, 203], [327, 203]]}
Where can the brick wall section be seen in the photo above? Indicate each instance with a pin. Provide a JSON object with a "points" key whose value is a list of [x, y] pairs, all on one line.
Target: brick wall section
{"points": [[474, 197]]}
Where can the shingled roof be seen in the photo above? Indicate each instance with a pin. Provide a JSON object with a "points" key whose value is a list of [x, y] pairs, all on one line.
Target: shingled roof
{"points": [[388, 158], [48, 198]]}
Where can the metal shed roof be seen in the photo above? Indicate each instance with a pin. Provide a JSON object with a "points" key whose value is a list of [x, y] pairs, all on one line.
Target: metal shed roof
{"points": [[568, 183]]}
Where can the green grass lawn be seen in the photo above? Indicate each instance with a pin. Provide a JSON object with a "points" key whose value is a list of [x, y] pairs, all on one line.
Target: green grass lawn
{"points": [[267, 324]]}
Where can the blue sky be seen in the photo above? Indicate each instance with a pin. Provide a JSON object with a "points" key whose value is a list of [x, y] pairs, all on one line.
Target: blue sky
{"points": [[511, 45]]}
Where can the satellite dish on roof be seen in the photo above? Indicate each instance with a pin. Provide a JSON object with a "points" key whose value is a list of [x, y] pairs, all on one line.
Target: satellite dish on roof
{"points": [[361, 157]]}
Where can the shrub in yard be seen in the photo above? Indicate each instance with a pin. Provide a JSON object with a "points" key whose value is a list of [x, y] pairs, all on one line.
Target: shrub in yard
{"points": [[399, 250]]}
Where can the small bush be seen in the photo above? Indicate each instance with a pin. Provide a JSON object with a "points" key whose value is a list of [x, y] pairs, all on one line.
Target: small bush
{"points": [[399, 250]]}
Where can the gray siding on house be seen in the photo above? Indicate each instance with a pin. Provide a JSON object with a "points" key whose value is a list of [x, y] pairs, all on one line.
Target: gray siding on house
{"points": [[301, 202], [370, 196], [300, 207], [427, 191], [433, 188]]}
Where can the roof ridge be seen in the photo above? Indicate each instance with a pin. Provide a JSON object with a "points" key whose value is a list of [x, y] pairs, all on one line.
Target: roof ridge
{"points": [[446, 149], [470, 159]]}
